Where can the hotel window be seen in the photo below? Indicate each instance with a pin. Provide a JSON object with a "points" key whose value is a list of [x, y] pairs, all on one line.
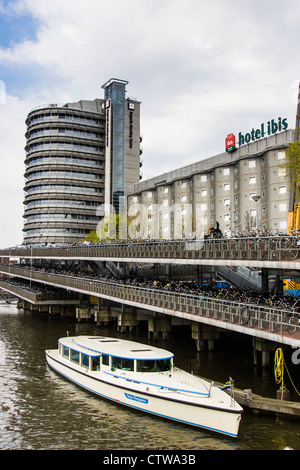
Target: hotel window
{"points": [[283, 225], [282, 208], [204, 192], [282, 189], [183, 211], [149, 195], [165, 202], [183, 184], [166, 215], [252, 180], [251, 196], [134, 199], [183, 198], [166, 229], [149, 207], [281, 172], [281, 155], [253, 213], [226, 187], [203, 178], [226, 202], [226, 171], [252, 164], [226, 217], [166, 190]]}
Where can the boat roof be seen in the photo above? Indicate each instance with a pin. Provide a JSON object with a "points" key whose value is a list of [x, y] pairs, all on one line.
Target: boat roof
{"points": [[98, 345]]}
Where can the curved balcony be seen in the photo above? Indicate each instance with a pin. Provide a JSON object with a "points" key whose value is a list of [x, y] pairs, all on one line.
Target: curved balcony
{"points": [[65, 175], [54, 204], [62, 132], [65, 162], [61, 146], [65, 115], [63, 189]]}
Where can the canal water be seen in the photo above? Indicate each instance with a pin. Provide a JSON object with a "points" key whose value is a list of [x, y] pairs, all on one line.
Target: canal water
{"points": [[42, 411]]}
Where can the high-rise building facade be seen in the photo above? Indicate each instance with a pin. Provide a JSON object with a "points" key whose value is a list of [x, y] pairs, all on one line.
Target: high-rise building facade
{"points": [[122, 144], [69, 149]]}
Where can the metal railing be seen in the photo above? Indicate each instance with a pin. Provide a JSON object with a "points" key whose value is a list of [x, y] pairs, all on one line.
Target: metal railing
{"points": [[278, 248], [260, 317], [20, 292]]}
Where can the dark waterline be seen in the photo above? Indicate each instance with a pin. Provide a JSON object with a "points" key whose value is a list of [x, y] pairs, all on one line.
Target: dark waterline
{"points": [[42, 411]]}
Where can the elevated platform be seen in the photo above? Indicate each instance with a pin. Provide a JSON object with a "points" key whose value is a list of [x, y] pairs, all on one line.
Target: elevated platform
{"points": [[258, 252]]}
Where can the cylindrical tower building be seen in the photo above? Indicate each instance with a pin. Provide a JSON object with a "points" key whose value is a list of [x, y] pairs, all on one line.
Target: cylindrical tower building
{"points": [[64, 175]]}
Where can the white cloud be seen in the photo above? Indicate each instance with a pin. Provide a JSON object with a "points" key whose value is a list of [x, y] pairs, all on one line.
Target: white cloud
{"points": [[201, 69], [12, 130]]}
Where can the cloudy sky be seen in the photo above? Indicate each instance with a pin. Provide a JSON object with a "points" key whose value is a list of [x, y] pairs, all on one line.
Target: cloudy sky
{"points": [[201, 70]]}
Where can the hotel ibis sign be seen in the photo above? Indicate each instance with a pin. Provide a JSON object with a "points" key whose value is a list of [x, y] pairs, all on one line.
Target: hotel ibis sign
{"points": [[271, 127]]}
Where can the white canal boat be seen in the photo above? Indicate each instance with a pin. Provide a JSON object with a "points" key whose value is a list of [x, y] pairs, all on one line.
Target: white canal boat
{"points": [[144, 377]]}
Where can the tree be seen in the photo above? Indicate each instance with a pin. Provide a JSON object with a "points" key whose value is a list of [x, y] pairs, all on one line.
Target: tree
{"points": [[111, 227], [292, 166]]}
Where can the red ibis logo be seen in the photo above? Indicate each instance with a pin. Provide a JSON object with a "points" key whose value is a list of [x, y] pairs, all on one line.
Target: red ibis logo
{"points": [[230, 143]]}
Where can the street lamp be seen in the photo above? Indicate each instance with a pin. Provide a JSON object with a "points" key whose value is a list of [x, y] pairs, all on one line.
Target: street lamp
{"points": [[256, 198]]}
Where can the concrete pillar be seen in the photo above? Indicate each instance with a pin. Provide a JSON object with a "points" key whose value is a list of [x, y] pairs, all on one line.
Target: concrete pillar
{"points": [[127, 320], [204, 335], [34, 308], [83, 313], [55, 310], [265, 348], [159, 326], [21, 303], [102, 316], [44, 308]]}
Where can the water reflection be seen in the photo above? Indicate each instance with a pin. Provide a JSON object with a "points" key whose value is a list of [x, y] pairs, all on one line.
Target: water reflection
{"points": [[41, 410]]}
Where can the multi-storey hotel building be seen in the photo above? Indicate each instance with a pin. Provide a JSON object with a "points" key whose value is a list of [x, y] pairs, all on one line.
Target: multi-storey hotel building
{"points": [[78, 157], [238, 190]]}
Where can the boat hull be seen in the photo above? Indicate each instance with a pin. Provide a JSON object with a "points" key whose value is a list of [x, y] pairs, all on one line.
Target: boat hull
{"points": [[161, 403]]}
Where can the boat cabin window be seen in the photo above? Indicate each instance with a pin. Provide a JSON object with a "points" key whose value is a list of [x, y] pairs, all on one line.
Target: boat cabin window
{"points": [[105, 359], [65, 352], [160, 365], [75, 356], [95, 363], [84, 360], [122, 363]]}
